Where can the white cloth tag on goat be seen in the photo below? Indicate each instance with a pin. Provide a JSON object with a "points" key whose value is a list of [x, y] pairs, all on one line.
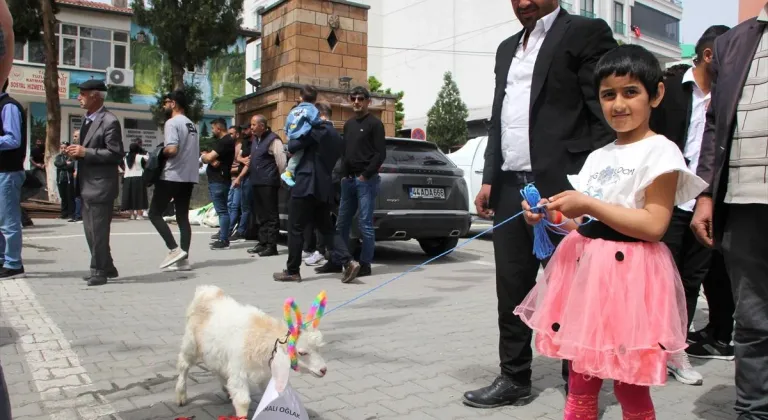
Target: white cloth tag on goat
{"points": [[280, 406]]}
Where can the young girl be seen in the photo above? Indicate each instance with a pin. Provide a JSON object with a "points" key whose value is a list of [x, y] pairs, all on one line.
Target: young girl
{"points": [[611, 300], [134, 195]]}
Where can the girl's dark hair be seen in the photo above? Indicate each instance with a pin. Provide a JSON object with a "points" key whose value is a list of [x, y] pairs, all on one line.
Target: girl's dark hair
{"points": [[634, 61], [133, 150]]}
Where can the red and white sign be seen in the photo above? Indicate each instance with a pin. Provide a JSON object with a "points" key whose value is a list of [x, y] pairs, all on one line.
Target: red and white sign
{"points": [[30, 81]]}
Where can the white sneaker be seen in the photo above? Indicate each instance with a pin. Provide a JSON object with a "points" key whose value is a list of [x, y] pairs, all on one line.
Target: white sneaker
{"points": [[680, 367], [133, 216], [139, 217], [174, 256], [182, 265], [305, 255], [315, 258]]}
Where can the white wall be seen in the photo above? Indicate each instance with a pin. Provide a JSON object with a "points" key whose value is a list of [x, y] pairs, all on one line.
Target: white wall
{"points": [[95, 19]]}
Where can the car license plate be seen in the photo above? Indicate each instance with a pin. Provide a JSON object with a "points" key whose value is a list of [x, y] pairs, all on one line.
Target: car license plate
{"points": [[428, 193]]}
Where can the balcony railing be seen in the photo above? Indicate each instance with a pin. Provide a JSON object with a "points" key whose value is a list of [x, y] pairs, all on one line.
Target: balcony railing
{"points": [[588, 14], [619, 27], [566, 5]]}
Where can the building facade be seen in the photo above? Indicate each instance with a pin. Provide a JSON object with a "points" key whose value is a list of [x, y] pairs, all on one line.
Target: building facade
{"points": [[749, 9], [102, 41], [411, 43]]}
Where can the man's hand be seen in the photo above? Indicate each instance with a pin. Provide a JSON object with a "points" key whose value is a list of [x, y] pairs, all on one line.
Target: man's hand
{"points": [[481, 202], [76, 151], [530, 217], [361, 178], [236, 183], [701, 224], [215, 163]]}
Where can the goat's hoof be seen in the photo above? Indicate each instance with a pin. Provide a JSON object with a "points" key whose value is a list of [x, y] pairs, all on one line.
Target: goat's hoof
{"points": [[181, 400]]}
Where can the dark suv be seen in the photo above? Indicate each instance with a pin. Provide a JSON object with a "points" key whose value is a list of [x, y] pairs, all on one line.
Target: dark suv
{"points": [[423, 196]]}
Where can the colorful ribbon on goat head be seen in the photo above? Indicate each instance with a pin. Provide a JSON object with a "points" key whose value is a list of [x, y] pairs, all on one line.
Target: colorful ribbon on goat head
{"points": [[294, 329], [317, 310]]}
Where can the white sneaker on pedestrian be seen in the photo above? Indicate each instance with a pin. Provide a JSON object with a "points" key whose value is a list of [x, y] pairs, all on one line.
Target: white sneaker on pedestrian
{"points": [[139, 217], [680, 367], [305, 255], [133, 216], [315, 258], [182, 265], [174, 256]]}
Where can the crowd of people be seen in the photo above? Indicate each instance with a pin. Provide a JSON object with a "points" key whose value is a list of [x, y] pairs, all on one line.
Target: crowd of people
{"points": [[657, 177]]}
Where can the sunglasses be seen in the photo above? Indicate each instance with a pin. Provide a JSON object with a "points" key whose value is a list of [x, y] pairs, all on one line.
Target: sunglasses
{"points": [[357, 98]]}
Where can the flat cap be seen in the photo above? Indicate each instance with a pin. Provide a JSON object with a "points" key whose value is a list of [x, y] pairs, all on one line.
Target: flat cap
{"points": [[245, 126], [93, 84]]}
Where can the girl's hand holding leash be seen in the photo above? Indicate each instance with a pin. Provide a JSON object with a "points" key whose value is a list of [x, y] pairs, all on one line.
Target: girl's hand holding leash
{"points": [[571, 204]]}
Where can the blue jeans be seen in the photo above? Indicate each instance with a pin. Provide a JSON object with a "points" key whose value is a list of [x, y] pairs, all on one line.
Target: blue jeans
{"points": [[359, 195], [246, 203], [219, 192], [10, 218], [233, 205]]}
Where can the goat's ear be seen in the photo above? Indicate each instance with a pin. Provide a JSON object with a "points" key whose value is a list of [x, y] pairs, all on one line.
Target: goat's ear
{"points": [[281, 369]]}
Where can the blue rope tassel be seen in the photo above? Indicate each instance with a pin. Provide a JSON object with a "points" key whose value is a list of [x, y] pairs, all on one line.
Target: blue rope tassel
{"points": [[542, 245]]}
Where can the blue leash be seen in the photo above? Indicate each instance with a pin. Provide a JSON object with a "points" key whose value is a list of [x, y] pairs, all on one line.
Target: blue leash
{"points": [[542, 245]]}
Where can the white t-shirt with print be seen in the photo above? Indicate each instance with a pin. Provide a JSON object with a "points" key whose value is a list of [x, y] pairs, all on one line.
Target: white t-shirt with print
{"points": [[619, 174]]}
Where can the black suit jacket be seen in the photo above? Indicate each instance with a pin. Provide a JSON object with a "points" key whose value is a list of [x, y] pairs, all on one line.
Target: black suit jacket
{"points": [[566, 121], [314, 174], [673, 115], [732, 58]]}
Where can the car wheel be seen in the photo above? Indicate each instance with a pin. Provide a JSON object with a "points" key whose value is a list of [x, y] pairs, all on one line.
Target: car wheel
{"points": [[436, 246]]}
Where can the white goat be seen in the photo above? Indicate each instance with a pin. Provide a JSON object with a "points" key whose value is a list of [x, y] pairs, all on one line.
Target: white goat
{"points": [[237, 342]]}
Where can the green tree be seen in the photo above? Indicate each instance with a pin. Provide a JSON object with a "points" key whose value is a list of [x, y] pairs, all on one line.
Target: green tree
{"points": [[375, 85], [35, 20], [190, 32], [194, 96], [447, 119]]}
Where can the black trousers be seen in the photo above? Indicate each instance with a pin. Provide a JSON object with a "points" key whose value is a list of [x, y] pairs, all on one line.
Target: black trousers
{"points": [[301, 212], [719, 294], [97, 223], [181, 194], [265, 209], [67, 195], [745, 251], [692, 259], [516, 270], [314, 240]]}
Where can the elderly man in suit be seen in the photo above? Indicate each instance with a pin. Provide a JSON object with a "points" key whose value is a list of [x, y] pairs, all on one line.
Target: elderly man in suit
{"points": [[732, 213], [98, 158], [546, 119]]}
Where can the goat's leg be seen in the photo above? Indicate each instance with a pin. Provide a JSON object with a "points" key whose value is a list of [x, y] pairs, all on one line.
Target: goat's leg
{"points": [[223, 381], [187, 357], [240, 393]]}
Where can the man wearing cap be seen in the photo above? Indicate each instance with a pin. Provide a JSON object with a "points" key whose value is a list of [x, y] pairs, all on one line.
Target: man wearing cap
{"points": [[98, 157]]}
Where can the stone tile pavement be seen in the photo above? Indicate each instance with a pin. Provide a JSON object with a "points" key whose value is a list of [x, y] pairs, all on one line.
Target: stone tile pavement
{"points": [[407, 351]]}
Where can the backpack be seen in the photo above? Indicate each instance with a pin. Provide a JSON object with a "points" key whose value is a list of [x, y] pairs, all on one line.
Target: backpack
{"points": [[155, 162]]}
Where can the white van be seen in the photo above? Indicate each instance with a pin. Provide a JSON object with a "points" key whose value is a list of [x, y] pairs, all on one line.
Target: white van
{"points": [[470, 158]]}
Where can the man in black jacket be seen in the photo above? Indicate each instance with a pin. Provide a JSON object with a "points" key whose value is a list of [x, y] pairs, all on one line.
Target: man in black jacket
{"points": [[546, 119], [681, 117], [313, 193]]}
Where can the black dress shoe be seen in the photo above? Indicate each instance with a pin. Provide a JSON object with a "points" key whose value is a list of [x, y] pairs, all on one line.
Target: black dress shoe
{"points": [[111, 274], [503, 391], [329, 267], [268, 251], [258, 249], [97, 281]]}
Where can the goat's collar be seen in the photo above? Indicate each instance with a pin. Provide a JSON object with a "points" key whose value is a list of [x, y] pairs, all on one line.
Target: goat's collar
{"points": [[278, 340]]}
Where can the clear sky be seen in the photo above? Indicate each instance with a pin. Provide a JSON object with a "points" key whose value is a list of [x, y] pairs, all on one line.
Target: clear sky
{"points": [[698, 15]]}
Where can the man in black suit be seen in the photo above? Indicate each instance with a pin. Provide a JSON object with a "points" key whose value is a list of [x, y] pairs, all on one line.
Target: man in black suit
{"points": [[313, 193], [97, 177], [546, 119]]}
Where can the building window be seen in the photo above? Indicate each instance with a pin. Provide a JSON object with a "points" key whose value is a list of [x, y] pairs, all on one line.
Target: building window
{"points": [[18, 51], [567, 5], [257, 58], [82, 46], [588, 8], [618, 19], [656, 24]]}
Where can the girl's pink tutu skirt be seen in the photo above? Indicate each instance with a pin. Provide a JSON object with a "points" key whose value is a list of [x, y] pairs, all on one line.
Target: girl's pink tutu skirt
{"points": [[614, 309]]}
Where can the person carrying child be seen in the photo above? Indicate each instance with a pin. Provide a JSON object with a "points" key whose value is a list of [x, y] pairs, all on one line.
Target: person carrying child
{"points": [[611, 301], [299, 122]]}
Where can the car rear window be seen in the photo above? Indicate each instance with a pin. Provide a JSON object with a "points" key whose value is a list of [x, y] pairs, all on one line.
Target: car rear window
{"points": [[414, 154]]}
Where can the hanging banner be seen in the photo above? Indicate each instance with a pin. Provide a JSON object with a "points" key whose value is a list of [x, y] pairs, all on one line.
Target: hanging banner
{"points": [[30, 81]]}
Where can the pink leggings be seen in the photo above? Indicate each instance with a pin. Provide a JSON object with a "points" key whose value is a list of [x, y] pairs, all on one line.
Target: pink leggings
{"points": [[581, 404]]}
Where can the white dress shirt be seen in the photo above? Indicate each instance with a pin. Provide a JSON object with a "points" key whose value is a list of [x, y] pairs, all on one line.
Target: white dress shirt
{"points": [[695, 129], [515, 110]]}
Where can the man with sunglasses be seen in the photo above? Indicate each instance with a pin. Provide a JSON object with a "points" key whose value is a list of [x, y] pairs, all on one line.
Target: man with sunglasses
{"points": [[364, 151], [181, 152]]}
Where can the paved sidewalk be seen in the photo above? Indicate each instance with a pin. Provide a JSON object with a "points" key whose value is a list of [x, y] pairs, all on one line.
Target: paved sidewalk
{"points": [[407, 351]]}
